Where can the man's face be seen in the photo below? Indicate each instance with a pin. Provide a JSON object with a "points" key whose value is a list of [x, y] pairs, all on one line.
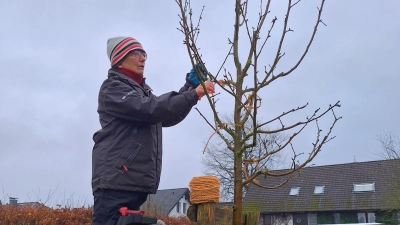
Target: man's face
{"points": [[134, 61]]}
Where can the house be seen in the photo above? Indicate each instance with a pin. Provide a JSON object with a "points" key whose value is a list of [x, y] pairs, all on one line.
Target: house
{"points": [[14, 202], [359, 192], [169, 202]]}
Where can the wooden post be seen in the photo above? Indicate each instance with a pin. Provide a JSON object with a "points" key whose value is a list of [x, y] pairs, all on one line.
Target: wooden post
{"points": [[206, 214], [204, 195]]}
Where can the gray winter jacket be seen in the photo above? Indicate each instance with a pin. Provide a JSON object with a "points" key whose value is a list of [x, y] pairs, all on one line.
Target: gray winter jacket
{"points": [[127, 154]]}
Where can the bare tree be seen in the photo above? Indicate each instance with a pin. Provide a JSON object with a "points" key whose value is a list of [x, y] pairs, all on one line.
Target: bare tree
{"points": [[390, 150], [390, 145], [219, 160], [244, 83]]}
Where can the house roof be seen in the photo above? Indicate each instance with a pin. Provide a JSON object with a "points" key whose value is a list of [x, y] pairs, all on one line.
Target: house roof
{"points": [[338, 181], [165, 200], [31, 205], [35, 205]]}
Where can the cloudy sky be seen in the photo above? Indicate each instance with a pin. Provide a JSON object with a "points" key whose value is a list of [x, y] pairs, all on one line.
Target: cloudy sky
{"points": [[53, 58]]}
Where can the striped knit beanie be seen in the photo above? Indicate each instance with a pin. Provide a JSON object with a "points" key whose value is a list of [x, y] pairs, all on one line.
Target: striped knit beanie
{"points": [[119, 47]]}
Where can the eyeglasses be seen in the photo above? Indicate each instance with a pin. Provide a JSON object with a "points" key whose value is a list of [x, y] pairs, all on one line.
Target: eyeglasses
{"points": [[139, 53]]}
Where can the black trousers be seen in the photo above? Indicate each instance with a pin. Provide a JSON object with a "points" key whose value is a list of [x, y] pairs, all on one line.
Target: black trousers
{"points": [[107, 202]]}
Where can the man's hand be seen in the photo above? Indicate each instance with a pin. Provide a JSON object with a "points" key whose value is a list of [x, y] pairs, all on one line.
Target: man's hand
{"points": [[209, 87]]}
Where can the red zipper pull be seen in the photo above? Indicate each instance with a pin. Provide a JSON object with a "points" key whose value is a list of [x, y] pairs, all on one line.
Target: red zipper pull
{"points": [[125, 168]]}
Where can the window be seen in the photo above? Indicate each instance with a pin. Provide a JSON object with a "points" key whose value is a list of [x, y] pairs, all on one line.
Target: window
{"points": [[371, 217], [312, 218], [177, 206], [364, 187], [336, 218], [184, 207], [361, 218], [267, 219], [319, 190], [366, 217], [294, 191]]}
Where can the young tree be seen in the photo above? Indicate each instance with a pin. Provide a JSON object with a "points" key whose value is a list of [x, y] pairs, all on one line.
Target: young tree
{"points": [[390, 150], [218, 161], [390, 146], [243, 84]]}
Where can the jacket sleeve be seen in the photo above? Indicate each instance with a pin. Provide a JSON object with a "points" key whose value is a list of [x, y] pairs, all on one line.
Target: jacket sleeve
{"points": [[126, 102], [175, 120], [188, 86]]}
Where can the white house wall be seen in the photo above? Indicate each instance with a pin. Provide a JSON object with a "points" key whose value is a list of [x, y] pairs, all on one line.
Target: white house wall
{"points": [[174, 213]]}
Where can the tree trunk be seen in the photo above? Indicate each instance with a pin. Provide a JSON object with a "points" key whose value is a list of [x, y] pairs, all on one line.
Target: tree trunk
{"points": [[237, 209], [238, 161]]}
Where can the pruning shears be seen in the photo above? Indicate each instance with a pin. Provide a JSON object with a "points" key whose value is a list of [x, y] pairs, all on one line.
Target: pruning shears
{"points": [[203, 75]]}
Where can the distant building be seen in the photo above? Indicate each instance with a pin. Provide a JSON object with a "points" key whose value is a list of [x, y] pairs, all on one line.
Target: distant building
{"points": [[14, 202], [169, 202], [359, 192]]}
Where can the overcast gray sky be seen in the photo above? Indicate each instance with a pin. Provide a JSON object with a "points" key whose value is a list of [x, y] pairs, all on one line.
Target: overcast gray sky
{"points": [[53, 58]]}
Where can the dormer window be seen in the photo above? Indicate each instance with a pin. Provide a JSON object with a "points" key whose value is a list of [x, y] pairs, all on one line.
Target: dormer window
{"points": [[365, 187], [319, 190], [294, 191]]}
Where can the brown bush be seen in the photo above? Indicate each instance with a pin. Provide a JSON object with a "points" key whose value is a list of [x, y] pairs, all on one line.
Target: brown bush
{"points": [[177, 221], [27, 215], [10, 215]]}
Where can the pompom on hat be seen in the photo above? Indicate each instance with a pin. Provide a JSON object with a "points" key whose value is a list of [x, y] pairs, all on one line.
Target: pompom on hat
{"points": [[119, 47]]}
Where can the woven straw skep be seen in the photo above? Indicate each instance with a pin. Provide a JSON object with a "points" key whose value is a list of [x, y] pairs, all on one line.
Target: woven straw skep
{"points": [[204, 189]]}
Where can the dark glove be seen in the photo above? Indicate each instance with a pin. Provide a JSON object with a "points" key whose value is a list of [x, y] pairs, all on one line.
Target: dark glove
{"points": [[193, 77]]}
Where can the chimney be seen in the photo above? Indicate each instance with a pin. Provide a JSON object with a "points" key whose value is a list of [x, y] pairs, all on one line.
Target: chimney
{"points": [[13, 201]]}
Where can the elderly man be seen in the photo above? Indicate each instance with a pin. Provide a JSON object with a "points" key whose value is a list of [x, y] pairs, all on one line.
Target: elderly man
{"points": [[127, 154]]}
